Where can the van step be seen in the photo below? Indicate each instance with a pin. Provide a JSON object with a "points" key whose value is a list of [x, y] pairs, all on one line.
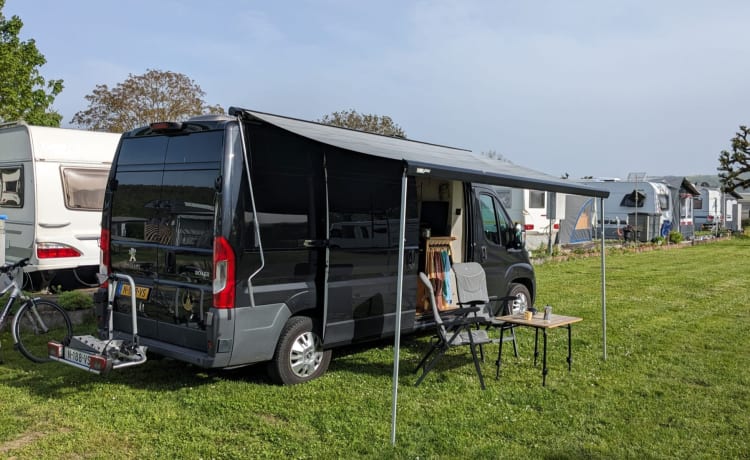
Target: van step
{"points": [[97, 356]]}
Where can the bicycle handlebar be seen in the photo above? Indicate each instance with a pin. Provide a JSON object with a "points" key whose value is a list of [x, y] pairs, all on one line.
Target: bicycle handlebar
{"points": [[10, 267]]}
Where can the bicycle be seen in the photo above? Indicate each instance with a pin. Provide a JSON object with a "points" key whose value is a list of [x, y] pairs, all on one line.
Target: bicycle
{"points": [[36, 321]]}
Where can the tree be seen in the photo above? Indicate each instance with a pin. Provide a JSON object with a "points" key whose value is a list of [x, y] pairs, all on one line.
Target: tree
{"points": [[24, 93], [734, 166], [492, 154], [142, 99], [364, 122]]}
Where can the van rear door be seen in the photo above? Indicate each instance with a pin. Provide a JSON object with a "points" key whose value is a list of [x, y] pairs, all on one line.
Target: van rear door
{"points": [[163, 201]]}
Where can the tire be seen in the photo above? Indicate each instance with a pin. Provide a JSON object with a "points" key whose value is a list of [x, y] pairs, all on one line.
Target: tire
{"points": [[32, 337], [299, 355], [520, 289]]}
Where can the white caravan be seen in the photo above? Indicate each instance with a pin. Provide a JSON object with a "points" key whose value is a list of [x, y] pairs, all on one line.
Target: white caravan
{"points": [[52, 184], [644, 205], [539, 212], [707, 209]]}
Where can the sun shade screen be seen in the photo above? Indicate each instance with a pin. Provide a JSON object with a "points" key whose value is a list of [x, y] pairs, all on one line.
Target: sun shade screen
{"points": [[84, 188]]}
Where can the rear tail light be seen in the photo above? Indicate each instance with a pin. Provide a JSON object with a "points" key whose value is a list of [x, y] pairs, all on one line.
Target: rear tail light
{"points": [[55, 250], [528, 227], [556, 226], [98, 363], [104, 256], [224, 270], [55, 349]]}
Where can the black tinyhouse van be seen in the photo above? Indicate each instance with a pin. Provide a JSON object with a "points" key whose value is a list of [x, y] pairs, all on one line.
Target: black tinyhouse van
{"points": [[257, 238]]}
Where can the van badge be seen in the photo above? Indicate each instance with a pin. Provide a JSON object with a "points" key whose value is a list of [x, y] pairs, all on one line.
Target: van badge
{"points": [[187, 302], [131, 252], [423, 170]]}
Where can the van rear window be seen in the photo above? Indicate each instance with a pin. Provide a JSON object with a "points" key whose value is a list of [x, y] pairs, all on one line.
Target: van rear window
{"points": [[166, 189]]}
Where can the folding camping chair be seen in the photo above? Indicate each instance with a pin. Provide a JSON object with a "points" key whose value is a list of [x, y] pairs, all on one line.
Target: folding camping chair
{"points": [[471, 289], [454, 328]]}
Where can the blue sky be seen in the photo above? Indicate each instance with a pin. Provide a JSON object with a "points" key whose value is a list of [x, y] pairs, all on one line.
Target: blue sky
{"points": [[591, 87]]}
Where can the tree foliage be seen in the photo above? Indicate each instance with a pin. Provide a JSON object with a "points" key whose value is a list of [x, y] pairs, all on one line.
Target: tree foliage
{"points": [[24, 93], [364, 122], [734, 166], [142, 99], [494, 155]]}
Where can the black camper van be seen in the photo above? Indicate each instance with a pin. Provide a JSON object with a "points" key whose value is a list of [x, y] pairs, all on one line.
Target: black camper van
{"points": [[256, 237]]}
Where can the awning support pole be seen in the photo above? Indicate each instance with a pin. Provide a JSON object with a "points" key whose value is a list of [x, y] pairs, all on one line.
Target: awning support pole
{"points": [[399, 291], [604, 282]]}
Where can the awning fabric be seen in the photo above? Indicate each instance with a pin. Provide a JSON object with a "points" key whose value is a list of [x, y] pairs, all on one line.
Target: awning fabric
{"points": [[426, 159]]}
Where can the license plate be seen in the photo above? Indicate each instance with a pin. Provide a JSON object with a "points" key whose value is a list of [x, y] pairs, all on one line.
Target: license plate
{"points": [[141, 292], [77, 356]]}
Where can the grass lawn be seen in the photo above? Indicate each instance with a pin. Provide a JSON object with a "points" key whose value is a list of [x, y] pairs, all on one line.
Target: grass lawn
{"points": [[676, 384]]}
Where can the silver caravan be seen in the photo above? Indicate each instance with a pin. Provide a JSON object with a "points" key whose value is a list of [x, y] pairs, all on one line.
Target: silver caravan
{"points": [[639, 209], [51, 190]]}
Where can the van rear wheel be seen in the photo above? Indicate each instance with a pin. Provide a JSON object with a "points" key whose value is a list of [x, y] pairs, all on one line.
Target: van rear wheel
{"points": [[299, 355]]}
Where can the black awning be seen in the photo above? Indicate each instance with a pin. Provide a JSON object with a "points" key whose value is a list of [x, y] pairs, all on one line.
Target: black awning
{"points": [[426, 159]]}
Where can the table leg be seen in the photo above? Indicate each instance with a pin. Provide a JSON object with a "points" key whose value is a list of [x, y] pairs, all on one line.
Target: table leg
{"points": [[536, 343], [544, 359], [499, 361], [570, 356]]}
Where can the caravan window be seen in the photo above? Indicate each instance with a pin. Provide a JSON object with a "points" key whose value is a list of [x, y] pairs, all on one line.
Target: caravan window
{"points": [[536, 199], [698, 202], [633, 199], [11, 187], [84, 188], [664, 202]]}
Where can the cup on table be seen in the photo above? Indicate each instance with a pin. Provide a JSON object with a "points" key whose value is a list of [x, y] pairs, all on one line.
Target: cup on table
{"points": [[527, 315]]}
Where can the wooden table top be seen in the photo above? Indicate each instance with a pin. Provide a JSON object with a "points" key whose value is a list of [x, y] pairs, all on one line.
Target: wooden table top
{"points": [[538, 320]]}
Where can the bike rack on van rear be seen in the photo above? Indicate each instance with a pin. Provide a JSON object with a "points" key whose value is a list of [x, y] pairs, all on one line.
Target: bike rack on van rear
{"points": [[102, 356]]}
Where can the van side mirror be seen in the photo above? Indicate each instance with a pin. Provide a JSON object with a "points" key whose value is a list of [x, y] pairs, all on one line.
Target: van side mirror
{"points": [[518, 238]]}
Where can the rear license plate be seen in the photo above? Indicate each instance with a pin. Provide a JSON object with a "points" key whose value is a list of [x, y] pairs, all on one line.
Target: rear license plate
{"points": [[77, 356], [141, 292]]}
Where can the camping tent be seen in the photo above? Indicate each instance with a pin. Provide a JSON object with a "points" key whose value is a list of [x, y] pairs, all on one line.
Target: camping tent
{"points": [[424, 159], [577, 225]]}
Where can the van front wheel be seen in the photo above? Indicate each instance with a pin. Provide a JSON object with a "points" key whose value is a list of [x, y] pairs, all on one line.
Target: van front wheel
{"points": [[299, 355]]}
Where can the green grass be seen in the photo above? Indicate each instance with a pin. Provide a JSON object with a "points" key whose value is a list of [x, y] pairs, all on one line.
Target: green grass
{"points": [[675, 385]]}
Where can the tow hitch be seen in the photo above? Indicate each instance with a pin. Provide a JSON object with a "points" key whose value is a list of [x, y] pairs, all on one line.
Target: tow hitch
{"points": [[101, 356]]}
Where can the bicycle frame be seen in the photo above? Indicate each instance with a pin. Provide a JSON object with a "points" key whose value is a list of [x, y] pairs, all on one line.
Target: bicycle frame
{"points": [[17, 293]]}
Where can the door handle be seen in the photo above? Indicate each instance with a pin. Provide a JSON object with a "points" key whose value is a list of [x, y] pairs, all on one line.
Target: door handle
{"points": [[484, 253]]}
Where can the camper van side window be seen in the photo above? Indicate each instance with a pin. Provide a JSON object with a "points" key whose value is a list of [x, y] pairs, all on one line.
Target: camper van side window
{"points": [[489, 219], [698, 202], [11, 187]]}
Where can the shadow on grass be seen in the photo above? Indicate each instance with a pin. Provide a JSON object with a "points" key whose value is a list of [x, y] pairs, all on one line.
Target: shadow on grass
{"points": [[158, 374], [52, 379]]}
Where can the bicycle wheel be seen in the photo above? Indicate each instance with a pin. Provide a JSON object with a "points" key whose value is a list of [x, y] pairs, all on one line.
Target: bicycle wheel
{"points": [[37, 323]]}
